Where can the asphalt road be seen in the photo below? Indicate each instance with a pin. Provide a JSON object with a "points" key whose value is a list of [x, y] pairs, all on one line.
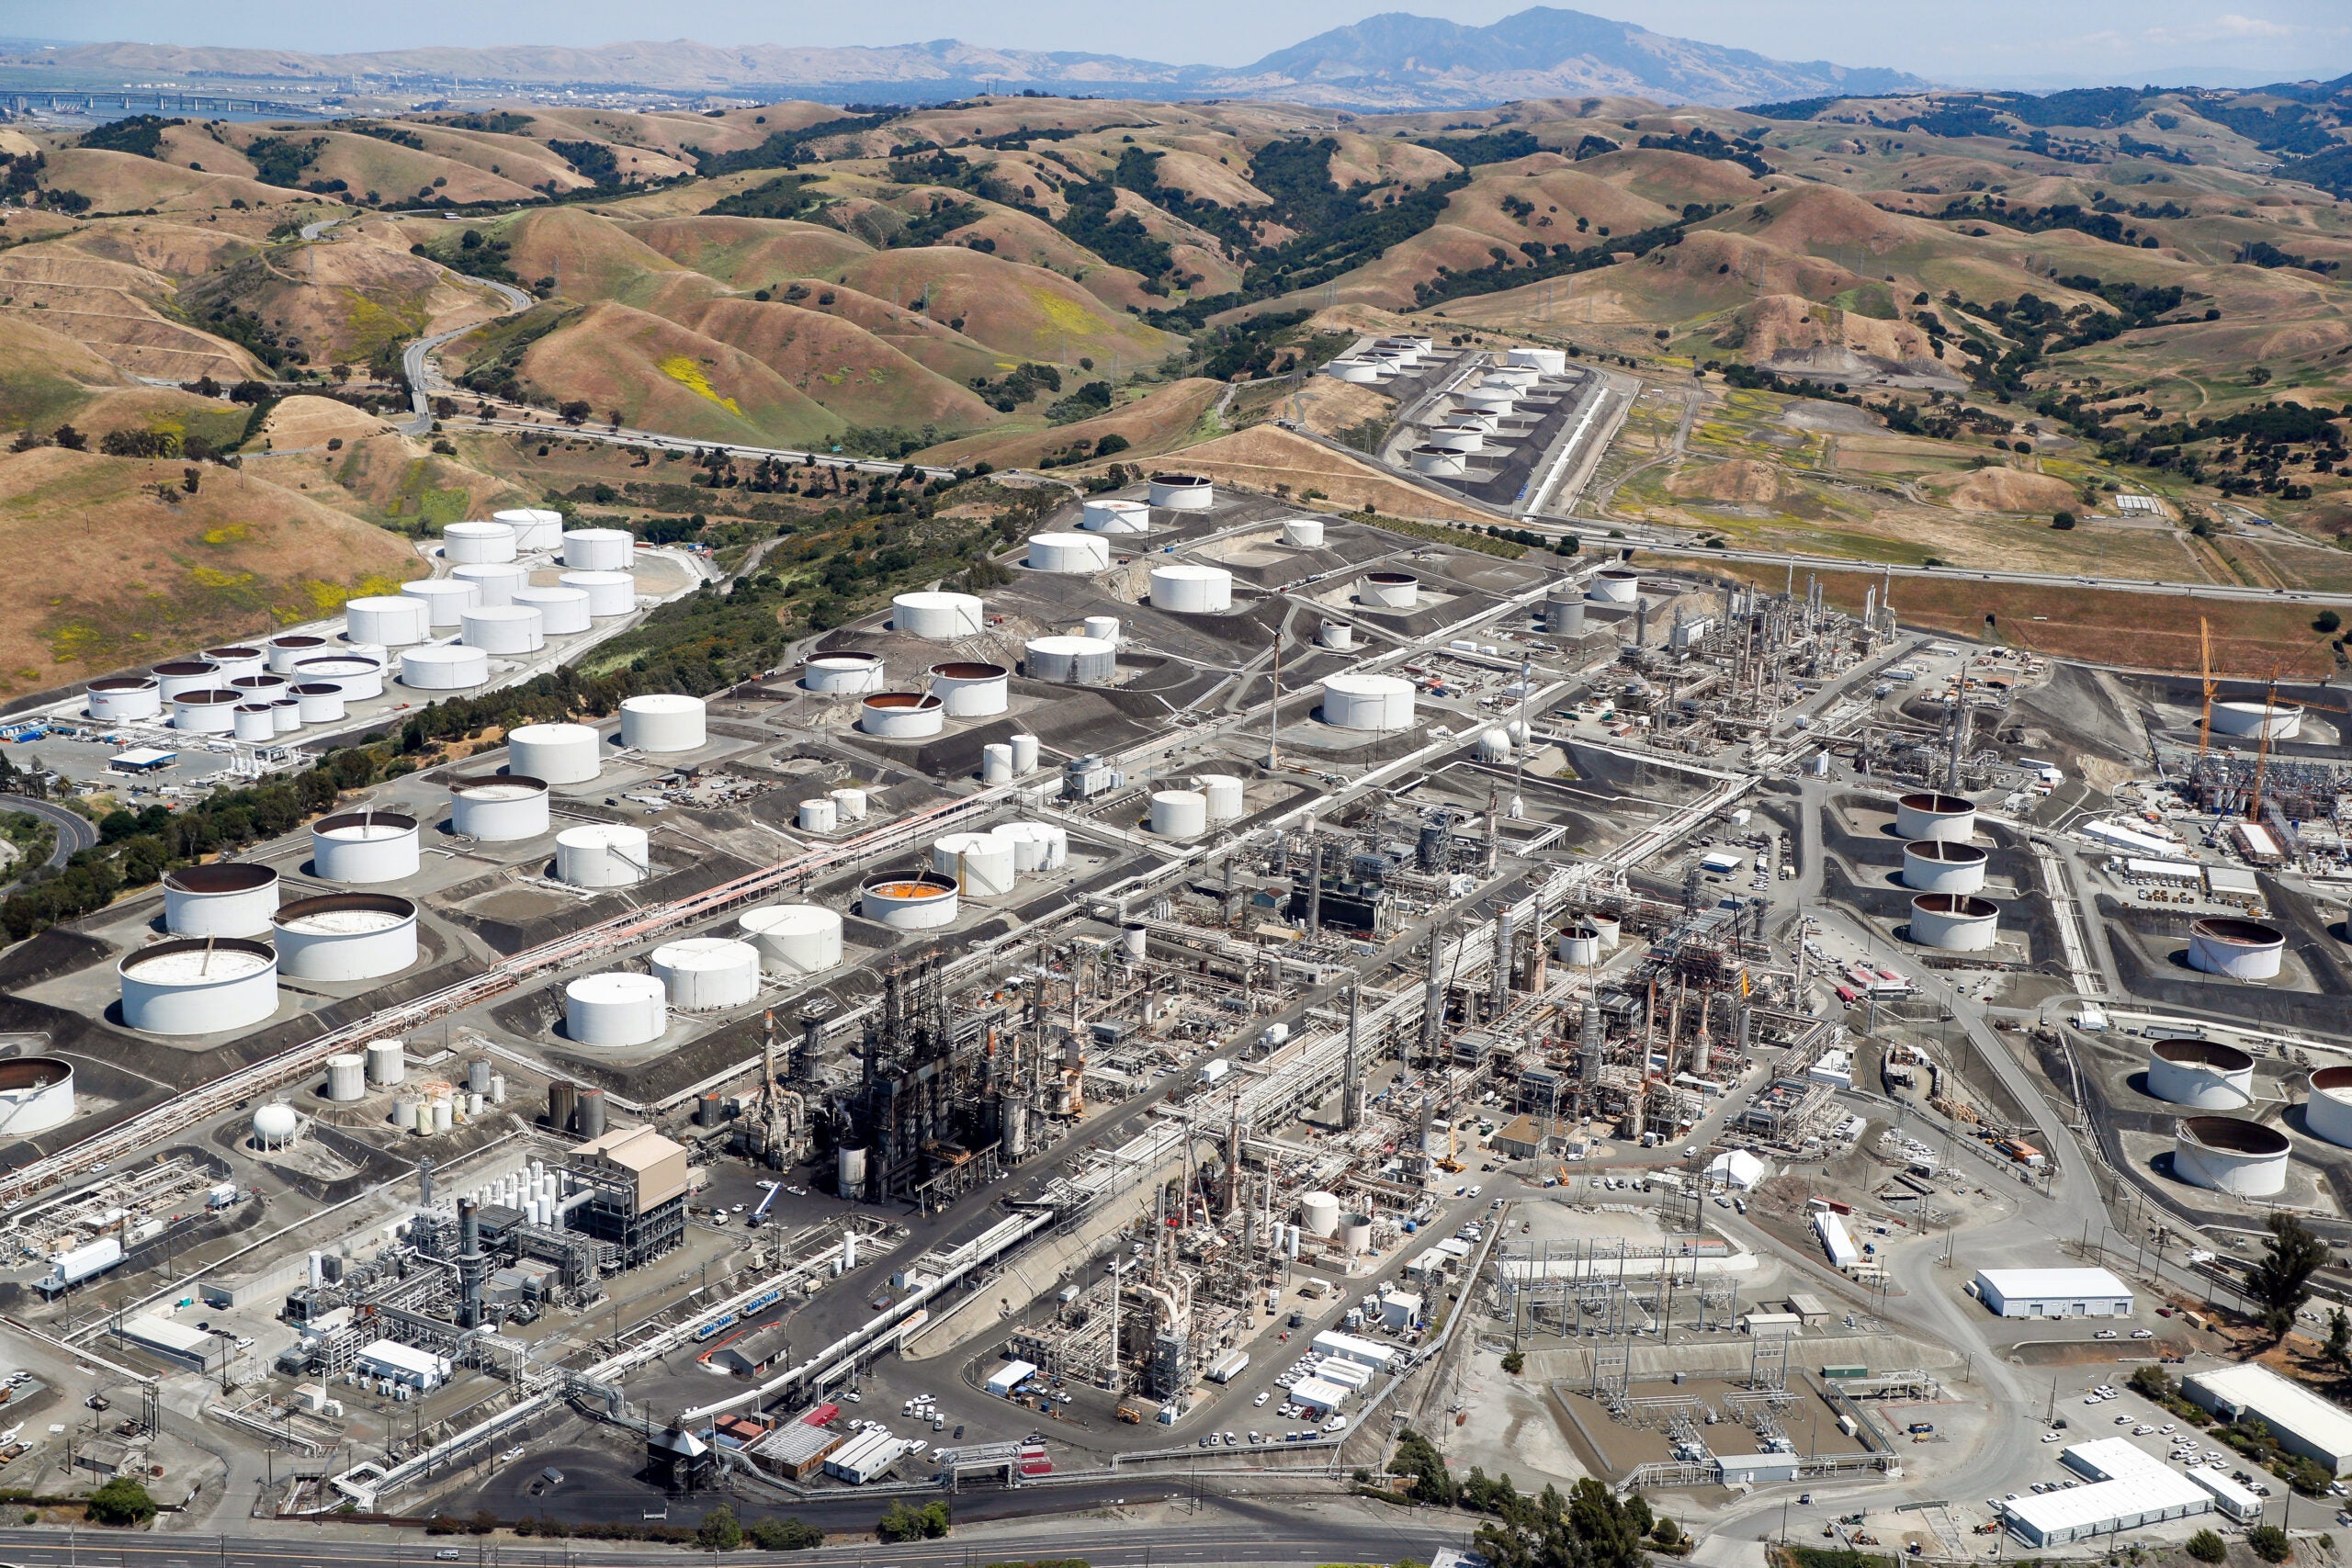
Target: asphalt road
{"points": [[73, 832], [415, 359]]}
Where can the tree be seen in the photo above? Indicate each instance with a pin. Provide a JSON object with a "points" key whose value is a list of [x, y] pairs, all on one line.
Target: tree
{"points": [[785, 1535], [900, 1523], [2280, 1278], [1589, 1528], [121, 1501], [1418, 1458], [718, 1531], [2062, 520], [72, 440], [2270, 1543], [2206, 1546], [2338, 1348], [2327, 622]]}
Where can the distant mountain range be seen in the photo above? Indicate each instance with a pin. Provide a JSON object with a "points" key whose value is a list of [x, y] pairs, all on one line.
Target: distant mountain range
{"points": [[1395, 61]]}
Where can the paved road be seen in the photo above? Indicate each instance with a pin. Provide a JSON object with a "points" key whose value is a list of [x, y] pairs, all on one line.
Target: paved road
{"points": [[625, 436], [73, 832], [416, 359]]}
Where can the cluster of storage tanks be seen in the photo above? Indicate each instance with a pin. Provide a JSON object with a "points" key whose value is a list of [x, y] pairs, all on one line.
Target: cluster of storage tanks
{"points": [[2234, 1153], [1478, 409], [1212, 800], [433, 1108], [1946, 872], [1320, 1216], [972, 864], [702, 975], [1385, 360]]}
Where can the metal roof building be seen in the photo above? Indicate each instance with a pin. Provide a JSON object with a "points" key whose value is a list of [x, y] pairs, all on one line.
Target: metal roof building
{"points": [[2302, 1422], [2129, 1487], [2053, 1292]]}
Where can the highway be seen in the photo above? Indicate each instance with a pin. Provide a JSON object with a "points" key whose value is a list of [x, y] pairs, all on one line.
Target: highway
{"points": [[416, 363], [73, 832]]}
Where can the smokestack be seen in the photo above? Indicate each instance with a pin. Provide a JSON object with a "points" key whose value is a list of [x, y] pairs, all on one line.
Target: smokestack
{"points": [[472, 1267]]}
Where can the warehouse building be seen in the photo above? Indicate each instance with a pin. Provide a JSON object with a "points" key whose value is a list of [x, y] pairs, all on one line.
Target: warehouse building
{"points": [[2052, 1292], [2303, 1423], [637, 1179], [2128, 1487], [174, 1342], [1523, 1137], [393, 1362]]}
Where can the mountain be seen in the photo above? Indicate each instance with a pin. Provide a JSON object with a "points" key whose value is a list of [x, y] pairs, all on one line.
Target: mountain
{"points": [[1395, 61]]}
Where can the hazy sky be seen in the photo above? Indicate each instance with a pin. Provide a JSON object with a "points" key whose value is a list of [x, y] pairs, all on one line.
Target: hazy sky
{"points": [[1955, 41]]}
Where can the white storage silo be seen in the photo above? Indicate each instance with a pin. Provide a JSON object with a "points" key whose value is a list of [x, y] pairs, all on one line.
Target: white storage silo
{"points": [[849, 805], [503, 629], [701, 973], [1319, 1213], [235, 661], [198, 984], [1103, 629], [1186, 589], [563, 612], [1070, 660], [794, 938], [1615, 586], [182, 675], [908, 902], [1179, 813], [253, 721], [446, 601], [480, 542], [816, 815], [536, 528], [971, 690], [558, 753], [443, 667], [1223, 793], [996, 763], [1108, 514], [386, 1063], [1934, 865], [318, 702], [223, 898], [498, 808], [2228, 1154], [1383, 704], [356, 676], [346, 936], [662, 721], [388, 620], [937, 616], [1389, 589], [494, 584], [610, 594], [205, 713], [603, 855], [844, 674], [599, 550], [613, 1008], [902, 715], [1182, 492], [2203, 1074], [980, 863], [364, 847], [1955, 923], [281, 653], [1067, 552], [122, 699], [1024, 753], [1303, 533], [1925, 815], [2234, 948]]}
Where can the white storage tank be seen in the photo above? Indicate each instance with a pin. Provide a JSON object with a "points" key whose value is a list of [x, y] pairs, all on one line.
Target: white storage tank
{"points": [[1179, 813], [1103, 628], [981, 865], [444, 667], [36, 1095], [613, 1008], [1564, 610], [701, 973], [844, 674], [794, 938], [1024, 753], [2234, 948], [235, 660], [1439, 462], [199, 985], [223, 898], [2328, 1112], [1186, 589], [364, 847], [2202, 1073], [1071, 661], [318, 702], [817, 815], [535, 527], [1223, 791], [849, 805], [603, 855], [346, 936], [2275, 720], [1519, 377], [937, 616], [662, 721], [1067, 552], [902, 715], [1546, 361], [1924, 814], [494, 585], [356, 676], [205, 713], [971, 690], [1318, 1212], [599, 550], [388, 620], [1303, 533], [183, 675], [1955, 923], [610, 594], [849, 1171], [1337, 635], [124, 699], [286, 715], [1615, 586], [1389, 589], [386, 1063], [498, 808], [1108, 514], [1934, 866], [917, 901], [996, 763], [276, 1125], [280, 654], [502, 628], [563, 612], [1489, 399], [253, 721], [1355, 372], [557, 753], [2228, 1154], [1382, 704], [446, 601], [1182, 492], [1037, 846], [480, 542], [1462, 438], [1580, 945]]}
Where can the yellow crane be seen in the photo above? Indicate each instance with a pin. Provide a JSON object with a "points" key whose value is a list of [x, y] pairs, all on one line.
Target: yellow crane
{"points": [[2205, 654]]}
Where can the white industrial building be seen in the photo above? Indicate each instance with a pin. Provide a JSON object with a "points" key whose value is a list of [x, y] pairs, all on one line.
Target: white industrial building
{"points": [[1009, 1376], [2303, 1422], [2128, 1487], [1349, 1347], [2053, 1292], [395, 1362], [1319, 1395]]}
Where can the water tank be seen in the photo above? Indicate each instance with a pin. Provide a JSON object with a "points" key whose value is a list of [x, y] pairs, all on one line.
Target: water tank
{"points": [[1223, 791], [497, 808], [603, 855], [1037, 846], [280, 654], [938, 617], [346, 936], [1936, 866], [1071, 661], [844, 674], [849, 805], [1955, 923], [558, 753], [224, 899], [1381, 704], [318, 702], [981, 865], [1109, 515], [1336, 635], [253, 721], [615, 1008], [816, 815], [902, 715], [610, 594], [276, 1124], [1616, 586], [205, 713], [1179, 813], [599, 550], [2228, 1154], [184, 675], [1303, 533], [199, 985], [1438, 462], [849, 1171], [2234, 948], [1355, 1233], [36, 1094], [971, 690], [123, 699], [996, 763], [446, 600], [1024, 751], [1103, 628], [535, 527], [347, 1077], [1182, 492], [662, 721], [702, 973], [1924, 814], [386, 1063], [1549, 361], [2326, 1114], [444, 667], [2276, 720], [1580, 945], [357, 676], [1186, 589], [502, 628], [1067, 552], [1389, 589], [1318, 1212], [474, 543], [563, 612], [235, 660], [794, 938], [909, 902], [2203, 1074]]}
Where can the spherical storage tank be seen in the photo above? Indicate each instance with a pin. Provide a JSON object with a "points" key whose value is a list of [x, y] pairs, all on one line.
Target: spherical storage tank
{"points": [[980, 863], [498, 808], [1190, 590], [2228, 1154], [1389, 589], [501, 628], [1383, 704], [1616, 586], [224, 899], [346, 936], [317, 702], [364, 846], [446, 600], [615, 1008], [1439, 462], [1954, 923], [662, 721], [563, 612], [1179, 813], [388, 620], [1319, 1213], [794, 938], [356, 676], [187, 675], [610, 594], [937, 616], [276, 1125], [2237, 949], [1934, 865], [844, 674], [2205, 1074], [2275, 720], [558, 753], [1071, 661], [36, 1094], [198, 984], [599, 550], [2328, 1112], [1067, 552], [1182, 492], [1924, 814], [603, 855], [282, 653], [1108, 514], [122, 699], [699, 973], [902, 715], [971, 690], [536, 528], [908, 902], [444, 667], [477, 543], [206, 713]]}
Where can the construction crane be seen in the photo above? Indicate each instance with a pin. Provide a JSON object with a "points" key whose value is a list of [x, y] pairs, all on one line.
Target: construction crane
{"points": [[2262, 744], [2205, 655]]}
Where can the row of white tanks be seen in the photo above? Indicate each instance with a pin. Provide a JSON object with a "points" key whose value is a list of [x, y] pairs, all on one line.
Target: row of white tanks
{"points": [[986, 864], [2236, 1154], [1210, 800], [211, 983], [702, 973], [1946, 872]]}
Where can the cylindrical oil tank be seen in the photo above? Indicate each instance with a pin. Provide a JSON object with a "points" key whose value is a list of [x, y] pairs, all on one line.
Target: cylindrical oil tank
{"points": [[1439, 462], [1461, 438], [1337, 635], [563, 612], [909, 902], [496, 809], [1382, 704], [1179, 813], [1187, 589], [794, 938], [1071, 661], [1389, 589], [1489, 399], [849, 805], [2326, 1114], [259, 686], [1303, 533], [1955, 923], [1182, 492], [1924, 814], [1355, 1233], [2275, 720], [1037, 846], [224, 899], [356, 676], [558, 753], [36, 1094], [318, 702], [701, 973], [233, 659], [205, 713], [981, 865], [1549, 361], [1318, 1212], [662, 721], [285, 714], [610, 594], [281, 653], [386, 1063], [495, 583], [902, 715], [466, 544], [364, 847], [599, 550], [2229, 1154], [1580, 945], [446, 600], [347, 1077], [182, 675], [1104, 627], [1519, 377], [1934, 865], [849, 1171], [1223, 791], [444, 667], [2203, 1074], [971, 690], [502, 628], [252, 721], [1067, 552], [477, 1075], [603, 855], [536, 528], [1355, 372], [388, 620], [563, 1105], [198, 984], [2237, 949], [1108, 514], [844, 674], [816, 815], [937, 616], [996, 763], [1612, 931], [123, 699], [1024, 753], [1615, 586], [1564, 610], [615, 1007]]}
